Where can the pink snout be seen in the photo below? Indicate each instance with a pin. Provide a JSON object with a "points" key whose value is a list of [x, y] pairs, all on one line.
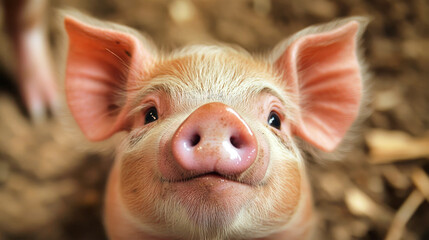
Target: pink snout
{"points": [[214, 139]]}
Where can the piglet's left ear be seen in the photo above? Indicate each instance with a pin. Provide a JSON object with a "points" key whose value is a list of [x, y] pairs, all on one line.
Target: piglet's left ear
{"points": [[321, 67]]}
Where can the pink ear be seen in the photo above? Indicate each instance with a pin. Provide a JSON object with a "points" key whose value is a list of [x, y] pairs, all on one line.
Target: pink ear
{"points": [[103, 65], [323, 70]]}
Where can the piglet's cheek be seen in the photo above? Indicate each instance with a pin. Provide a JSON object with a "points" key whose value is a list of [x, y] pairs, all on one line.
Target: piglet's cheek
{"points": [[291, 193], [138, 185]]}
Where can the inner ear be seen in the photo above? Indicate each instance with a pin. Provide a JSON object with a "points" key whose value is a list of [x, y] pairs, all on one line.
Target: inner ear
{"points": [[104, 67], [323, 71]]}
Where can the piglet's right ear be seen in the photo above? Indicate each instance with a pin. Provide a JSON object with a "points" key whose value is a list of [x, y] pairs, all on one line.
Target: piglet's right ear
{"points": [[103, 66]]}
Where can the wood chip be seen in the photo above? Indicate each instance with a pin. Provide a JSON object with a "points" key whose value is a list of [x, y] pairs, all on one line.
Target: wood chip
{"points": [[322, 9], [361, 204], [334, 184], [341, 232], [182, 11], [403, 215], [387, 100], [421, 180], [391, 146], [359, 228], [395, 177]]}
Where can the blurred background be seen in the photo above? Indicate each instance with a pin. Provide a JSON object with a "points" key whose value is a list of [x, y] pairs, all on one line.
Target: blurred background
{"points": [[52, 180]]}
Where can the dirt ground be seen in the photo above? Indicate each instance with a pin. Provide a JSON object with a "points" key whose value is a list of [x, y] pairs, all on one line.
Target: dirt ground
{"points": [[52, 180]]}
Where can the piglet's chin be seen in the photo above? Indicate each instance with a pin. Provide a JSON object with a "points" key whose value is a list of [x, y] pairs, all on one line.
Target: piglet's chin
{"points": [[211, 198]]}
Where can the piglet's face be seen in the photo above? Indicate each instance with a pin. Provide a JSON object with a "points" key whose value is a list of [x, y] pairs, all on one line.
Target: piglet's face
{"points": [[210, 151], [214, 152]]}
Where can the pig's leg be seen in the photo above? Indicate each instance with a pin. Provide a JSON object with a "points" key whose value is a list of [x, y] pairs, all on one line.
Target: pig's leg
{"points": [[27, 27]]}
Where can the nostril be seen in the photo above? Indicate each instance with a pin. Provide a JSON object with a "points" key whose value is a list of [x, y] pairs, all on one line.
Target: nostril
{"points": [[212, 139], [195, 139], [236, 142]]}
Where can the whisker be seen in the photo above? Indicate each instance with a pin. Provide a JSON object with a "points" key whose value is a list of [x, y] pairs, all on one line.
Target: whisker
{"points": [[119, 58], [124, 64]]}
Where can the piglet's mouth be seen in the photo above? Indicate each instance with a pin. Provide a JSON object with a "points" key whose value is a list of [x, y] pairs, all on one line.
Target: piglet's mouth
{"points": [[210, 176]]}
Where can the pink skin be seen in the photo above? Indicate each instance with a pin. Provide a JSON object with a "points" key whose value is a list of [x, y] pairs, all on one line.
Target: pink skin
{"points": [[211, 166], [213, 152], [213, 139], [27, 27], [201, 181]]}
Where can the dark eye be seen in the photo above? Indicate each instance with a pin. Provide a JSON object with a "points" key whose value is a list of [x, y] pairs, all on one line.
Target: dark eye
{"points": [[274, 120], [151, 115]]}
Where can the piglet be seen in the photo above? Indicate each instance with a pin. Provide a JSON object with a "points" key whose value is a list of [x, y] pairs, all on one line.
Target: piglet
{"points": [[211, 149]]}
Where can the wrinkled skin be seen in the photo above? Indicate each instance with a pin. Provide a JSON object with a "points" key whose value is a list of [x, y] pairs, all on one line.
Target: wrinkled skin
{"points": [[210, 151]]}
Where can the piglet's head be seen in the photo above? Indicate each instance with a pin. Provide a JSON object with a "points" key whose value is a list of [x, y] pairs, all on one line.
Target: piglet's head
{"points": [[211, 151]]}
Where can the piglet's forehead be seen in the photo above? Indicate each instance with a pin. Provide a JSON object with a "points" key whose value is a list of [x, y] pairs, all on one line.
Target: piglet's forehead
{"points": [[220, 74]]}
